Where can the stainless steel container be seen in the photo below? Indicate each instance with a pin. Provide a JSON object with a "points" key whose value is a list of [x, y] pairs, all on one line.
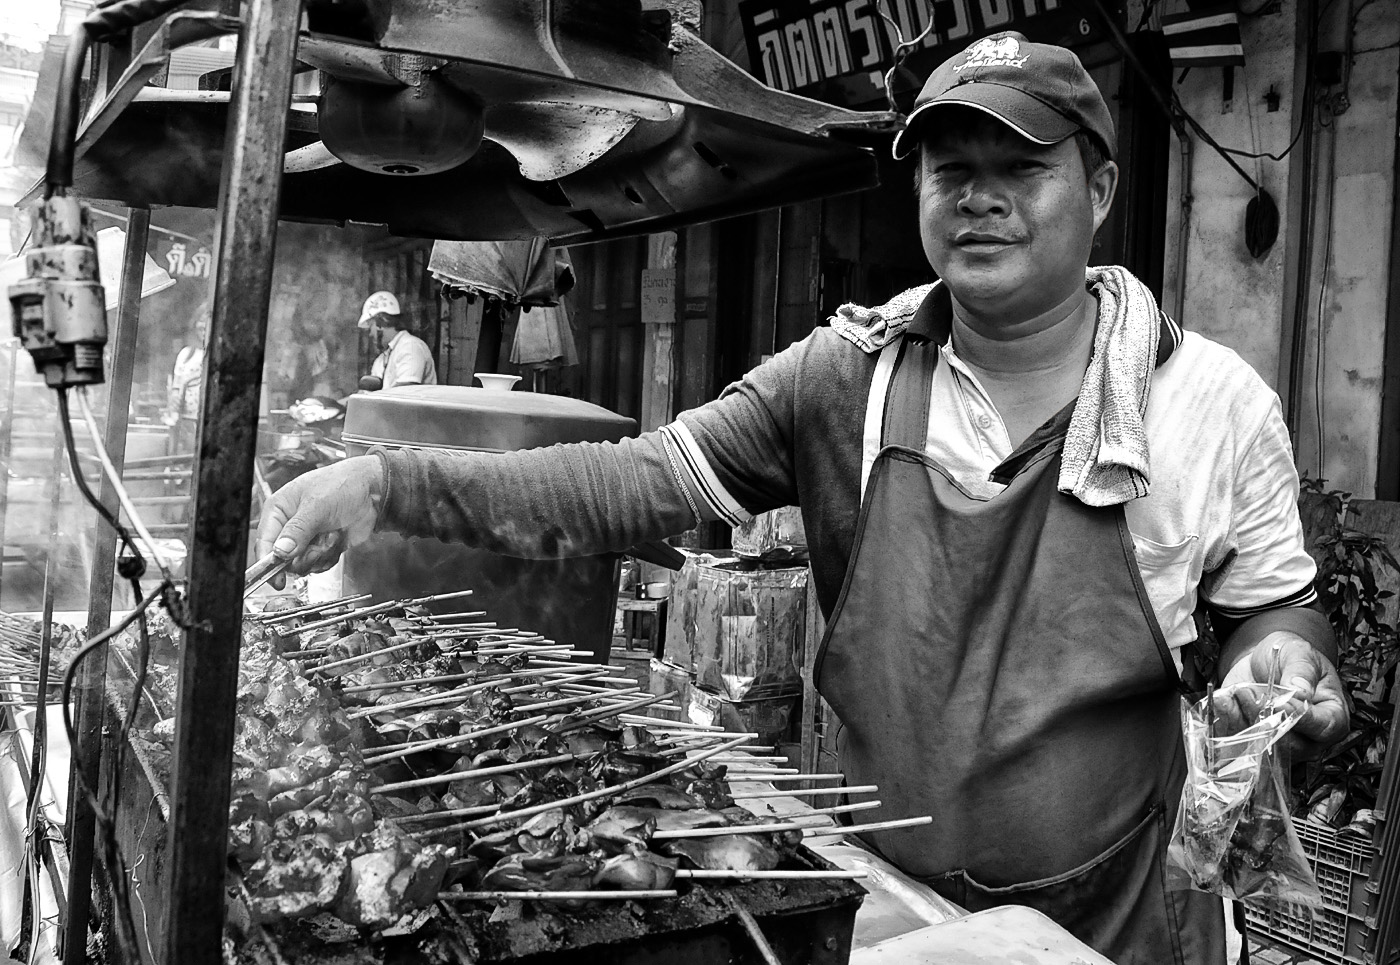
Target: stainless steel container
{"points": [[569, 601]]}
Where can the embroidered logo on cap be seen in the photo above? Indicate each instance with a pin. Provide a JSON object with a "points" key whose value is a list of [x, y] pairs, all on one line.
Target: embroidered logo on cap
{"points": [[993, 52]]}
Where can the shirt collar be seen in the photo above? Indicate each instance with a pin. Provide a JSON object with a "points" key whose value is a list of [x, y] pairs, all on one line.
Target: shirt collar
{"points": [[933, 322]]}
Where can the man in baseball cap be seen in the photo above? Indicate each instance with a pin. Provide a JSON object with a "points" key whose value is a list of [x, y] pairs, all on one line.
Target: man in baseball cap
{"points": [[1017, 485]]}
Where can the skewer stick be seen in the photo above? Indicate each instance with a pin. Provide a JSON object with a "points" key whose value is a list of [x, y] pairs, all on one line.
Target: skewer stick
{"points": [[470, 812], [561, 702], [277, 616], [845, 829], [805, 792], [555, 895], [408, 682], [661, 724], [352, 615], [437, 598], [446, 696], [568, 723], [819, 830], [775, 775], [552, 684], [744, 875], [586, 796], [371, 654], [454, 615], [754, 770], [452, 777], [391, 751]]}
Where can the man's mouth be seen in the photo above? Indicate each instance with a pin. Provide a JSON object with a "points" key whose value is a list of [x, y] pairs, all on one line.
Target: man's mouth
{"points": [[977, 242]]}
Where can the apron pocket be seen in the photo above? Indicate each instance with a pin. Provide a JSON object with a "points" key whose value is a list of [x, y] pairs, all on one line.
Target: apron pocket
{"points": [[1113, 902]]}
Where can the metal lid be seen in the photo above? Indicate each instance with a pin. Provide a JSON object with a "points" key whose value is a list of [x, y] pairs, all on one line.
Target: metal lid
{"points": [[462, 417]]}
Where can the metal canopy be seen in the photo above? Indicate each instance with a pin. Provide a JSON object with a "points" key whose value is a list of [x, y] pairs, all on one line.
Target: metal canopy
{"points": [[680, 135]]}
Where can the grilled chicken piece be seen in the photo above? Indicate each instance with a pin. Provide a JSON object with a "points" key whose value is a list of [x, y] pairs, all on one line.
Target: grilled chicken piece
{"points": [[296, 878], [522, 872], [659, 795], [397, 877], [733, 852], [639, 870]]}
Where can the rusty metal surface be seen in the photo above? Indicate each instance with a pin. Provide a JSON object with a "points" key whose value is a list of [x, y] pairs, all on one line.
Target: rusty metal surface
{"points": [[808, 922], [85, 756], [708, 141], [208, 680]]}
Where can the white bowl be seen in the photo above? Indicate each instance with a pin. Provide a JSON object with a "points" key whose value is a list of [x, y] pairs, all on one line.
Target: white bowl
{"points": [[495, 382]]}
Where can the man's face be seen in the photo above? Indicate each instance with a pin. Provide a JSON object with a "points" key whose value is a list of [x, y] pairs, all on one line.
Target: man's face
{"points": [[1007, 223]]}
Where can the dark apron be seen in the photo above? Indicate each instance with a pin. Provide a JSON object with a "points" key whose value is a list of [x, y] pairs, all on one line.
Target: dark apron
{"points": [[997, 664]]}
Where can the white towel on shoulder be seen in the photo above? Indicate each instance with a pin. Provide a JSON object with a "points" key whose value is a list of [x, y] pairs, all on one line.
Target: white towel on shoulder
{"points": [[1105, 460]]}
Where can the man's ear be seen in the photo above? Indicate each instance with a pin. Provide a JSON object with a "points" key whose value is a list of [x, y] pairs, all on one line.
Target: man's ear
{"points": [[1103, 183]]}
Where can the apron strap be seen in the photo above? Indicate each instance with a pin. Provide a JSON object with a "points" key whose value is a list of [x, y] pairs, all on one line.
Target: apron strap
{"points": [[910, 395]]}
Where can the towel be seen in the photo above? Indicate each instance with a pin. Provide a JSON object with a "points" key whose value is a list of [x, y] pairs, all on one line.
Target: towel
{"points": [[1105, 460], [873, 328]]}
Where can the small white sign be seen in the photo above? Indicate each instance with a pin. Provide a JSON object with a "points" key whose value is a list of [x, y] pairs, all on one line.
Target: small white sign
{"points": [[658, 296]]}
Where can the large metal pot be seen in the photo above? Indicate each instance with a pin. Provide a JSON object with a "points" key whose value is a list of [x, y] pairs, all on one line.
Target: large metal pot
{"points": [[566, 600]]}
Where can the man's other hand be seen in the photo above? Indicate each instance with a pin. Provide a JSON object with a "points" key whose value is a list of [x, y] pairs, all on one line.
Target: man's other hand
{"points": [[1287, 659], [314, 517]]}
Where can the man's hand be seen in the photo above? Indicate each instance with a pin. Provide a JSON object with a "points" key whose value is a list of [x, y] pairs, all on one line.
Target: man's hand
{"points": [[1286, 658], [314, 517]]}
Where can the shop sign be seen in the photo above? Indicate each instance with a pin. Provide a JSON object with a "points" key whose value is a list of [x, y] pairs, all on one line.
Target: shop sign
{"points": [[187, 261], [658, 296], [838, 50]]}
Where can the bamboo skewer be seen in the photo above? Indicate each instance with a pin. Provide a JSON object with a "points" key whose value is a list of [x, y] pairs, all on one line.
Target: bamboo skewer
{"points": [[568, 724], [455, 615], [451, 777], [580, 798], [393, 751], [662, 724], [438, 598], [277, 616], [805, 792], [744, 875], [778, 775], [823, 830], [555, 895], [470, 812], [446, 696], [368, 611]]}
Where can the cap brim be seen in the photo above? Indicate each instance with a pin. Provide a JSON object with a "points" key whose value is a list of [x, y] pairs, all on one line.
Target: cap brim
{"points": [[1032, 119]]}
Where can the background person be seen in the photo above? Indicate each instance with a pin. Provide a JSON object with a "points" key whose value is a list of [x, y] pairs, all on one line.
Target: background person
{"points": [[406, 360]]}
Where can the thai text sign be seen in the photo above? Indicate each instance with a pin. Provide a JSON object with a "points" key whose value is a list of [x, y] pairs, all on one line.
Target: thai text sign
{"points": [[797, 44]]}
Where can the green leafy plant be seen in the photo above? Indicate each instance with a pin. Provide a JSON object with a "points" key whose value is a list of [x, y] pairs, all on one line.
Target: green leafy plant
{"points": [[1349, 565]]}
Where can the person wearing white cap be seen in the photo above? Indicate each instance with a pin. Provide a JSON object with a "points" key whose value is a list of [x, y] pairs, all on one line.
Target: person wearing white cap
{"points": [[1018, 484], [406, 360]]}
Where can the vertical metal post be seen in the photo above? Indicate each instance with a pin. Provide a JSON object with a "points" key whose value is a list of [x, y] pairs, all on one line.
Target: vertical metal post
{"points": [[248, 202], [9, 351], [92, 679]]}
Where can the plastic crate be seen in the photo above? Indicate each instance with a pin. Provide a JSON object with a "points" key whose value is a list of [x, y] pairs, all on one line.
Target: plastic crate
{"points": [[1337, 932]]}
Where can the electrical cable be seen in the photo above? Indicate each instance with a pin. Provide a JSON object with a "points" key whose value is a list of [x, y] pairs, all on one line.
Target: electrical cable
{"points": [[114, 478], [81, 482], [102, 24]]}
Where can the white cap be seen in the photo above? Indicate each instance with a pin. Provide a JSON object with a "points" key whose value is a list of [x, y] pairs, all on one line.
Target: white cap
{"points": [[380, 303]]}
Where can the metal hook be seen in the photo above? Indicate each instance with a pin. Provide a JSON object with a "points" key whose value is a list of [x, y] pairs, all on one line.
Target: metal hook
{"points": [[903, 49]]}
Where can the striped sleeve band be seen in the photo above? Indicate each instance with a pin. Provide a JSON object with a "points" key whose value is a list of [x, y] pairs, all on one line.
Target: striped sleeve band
{"points": [[1304, 596], [699, 471]]}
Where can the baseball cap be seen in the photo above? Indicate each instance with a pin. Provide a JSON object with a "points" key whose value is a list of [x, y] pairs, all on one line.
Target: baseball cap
{"points": [[1041, 91], [380, 303]]}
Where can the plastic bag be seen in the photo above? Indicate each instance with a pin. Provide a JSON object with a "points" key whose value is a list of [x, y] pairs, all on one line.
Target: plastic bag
{"points": [[1234, 836]]}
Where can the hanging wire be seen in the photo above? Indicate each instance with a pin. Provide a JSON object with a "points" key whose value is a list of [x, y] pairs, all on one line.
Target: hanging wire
{"points": [[903, 49]]}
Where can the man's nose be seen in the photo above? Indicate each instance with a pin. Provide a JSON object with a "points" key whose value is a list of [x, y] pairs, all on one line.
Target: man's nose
{"points": [[982, 197]]}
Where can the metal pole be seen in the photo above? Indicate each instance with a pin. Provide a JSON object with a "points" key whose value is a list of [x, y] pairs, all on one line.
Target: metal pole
{"points": [[86, 757], [248, 202], [10, 351]]}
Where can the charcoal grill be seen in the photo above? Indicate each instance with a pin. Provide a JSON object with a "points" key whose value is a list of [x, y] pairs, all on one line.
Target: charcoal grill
{"points": [[726, 145]]}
